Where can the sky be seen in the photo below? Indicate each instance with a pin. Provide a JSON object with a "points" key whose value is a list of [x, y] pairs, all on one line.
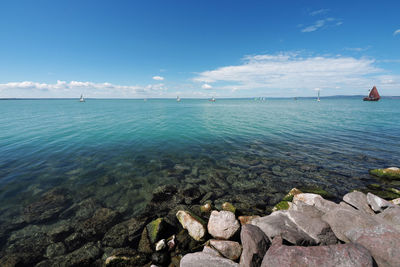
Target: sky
{"points": [[199, 49]]}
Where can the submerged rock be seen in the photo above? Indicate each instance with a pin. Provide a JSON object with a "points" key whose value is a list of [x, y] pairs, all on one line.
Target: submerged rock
{"points": [[192, 223], [154, 229], [335, 255], [255, 245], [95, 227], [123, 234], [229, 249], [201, 259], [222, 224], [392, 173]]}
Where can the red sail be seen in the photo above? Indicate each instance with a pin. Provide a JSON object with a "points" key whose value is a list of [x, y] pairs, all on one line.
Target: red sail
{"points": [[374, 93]]}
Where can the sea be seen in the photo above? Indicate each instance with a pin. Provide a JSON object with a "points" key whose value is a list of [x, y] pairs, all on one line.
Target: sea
{"points": [[246, 151]]}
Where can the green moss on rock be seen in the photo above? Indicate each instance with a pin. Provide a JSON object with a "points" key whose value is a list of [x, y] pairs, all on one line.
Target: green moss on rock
{"points": [[388, 173], [228, 207], [283, 205], [317, 190], [154, 229]]}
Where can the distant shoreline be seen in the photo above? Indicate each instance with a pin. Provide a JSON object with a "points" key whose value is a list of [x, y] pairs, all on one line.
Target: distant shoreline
{"points": [[223, 98]]}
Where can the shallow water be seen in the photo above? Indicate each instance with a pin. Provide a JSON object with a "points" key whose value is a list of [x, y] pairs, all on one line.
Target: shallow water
{"points": [[118, 151]]}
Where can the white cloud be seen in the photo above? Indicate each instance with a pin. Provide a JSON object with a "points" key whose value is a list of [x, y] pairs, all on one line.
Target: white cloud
{"points": [[158, 78], [357, 49], [396, 32], [319, 12], [206, 86], [74, 88], [291, 71], [322, 23]]}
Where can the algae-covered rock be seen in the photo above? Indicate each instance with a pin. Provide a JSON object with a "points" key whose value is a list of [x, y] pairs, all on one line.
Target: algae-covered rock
{"points": [[392, 173], [228, 207], [291, 194], [144, 243], [317, 190], [205, 208], [192, 223], [283, 205], [154, 229]]}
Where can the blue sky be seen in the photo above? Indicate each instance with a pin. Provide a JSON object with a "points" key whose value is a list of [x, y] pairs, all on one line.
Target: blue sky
{"points": [[198, 48]]}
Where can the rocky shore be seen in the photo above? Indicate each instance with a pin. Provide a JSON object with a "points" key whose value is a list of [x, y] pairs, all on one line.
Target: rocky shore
{"points": [[185, 227]]}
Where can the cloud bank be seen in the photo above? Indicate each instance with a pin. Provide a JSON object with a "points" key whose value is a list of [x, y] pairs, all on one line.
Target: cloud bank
{"points": [[291, 71], [75, 88]]}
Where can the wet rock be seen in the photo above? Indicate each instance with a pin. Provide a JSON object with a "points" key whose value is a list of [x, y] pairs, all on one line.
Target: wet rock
{"points": [[205, 208], [154, 229], [192, 223], [283, 205], [83, 256], [160, 245], [160, 258], [164, 193], [247, 219], [289, 196], [377, 204], [222, 224], [255, 245], [95, 227], [185, 243], [382, 241], [74, 241], [335, 255], [229, 249], [55, 249], [228, 207], [278, 224], [191, 194], [82, 210], [359, 201], [19, 259], [59, 233], [48, 207], [124, 234], [171, 243], [395, 201], [201, 259], [392, 173], [144, 243]]}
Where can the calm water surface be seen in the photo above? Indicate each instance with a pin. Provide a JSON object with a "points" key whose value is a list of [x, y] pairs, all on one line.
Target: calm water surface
{"points": [[118, 150]]}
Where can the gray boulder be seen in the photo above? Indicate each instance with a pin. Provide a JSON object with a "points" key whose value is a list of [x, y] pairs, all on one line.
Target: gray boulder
{"points": [[202, 259], [255, 244], [359, 201], [335, 255], [391, 216]]}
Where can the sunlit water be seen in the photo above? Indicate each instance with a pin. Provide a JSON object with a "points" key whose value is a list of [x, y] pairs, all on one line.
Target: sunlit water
{"points": [[118, 150]]}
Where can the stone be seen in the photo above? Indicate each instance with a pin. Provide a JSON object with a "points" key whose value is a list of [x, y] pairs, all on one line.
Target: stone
{"points": [[83, 256], [144, 243], [171, 243], [154, 229], [124, 234], [289, 196], [205, 208], [382, 241], [246, 219], [55, 249], [59, 233], [255, 245], [395, 201], [160, 258], [82, 210], [192, 223], [222, 224], [334, 255], [392, 173], [359, 201], [314, 200], [278, 224], [164, 193], [160, 245], [229, 249], [74, 241], [391, 216], [343, 219], [48, 207], [96, 226], [210, 250], [282, 205], [228, 207], [377, 204], [126, 257], [201, 259]]}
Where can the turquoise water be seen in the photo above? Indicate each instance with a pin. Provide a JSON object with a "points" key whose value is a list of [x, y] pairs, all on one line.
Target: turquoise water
{"points": [[118, 150]]}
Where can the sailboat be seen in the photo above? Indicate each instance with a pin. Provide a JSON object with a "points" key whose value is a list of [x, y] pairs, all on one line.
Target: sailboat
{"points": [[212, 99], [81, 99], [318, 95], [178, 99], [373, 95]]}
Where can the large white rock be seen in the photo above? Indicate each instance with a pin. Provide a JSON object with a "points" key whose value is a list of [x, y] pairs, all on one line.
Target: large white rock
{"points": [[222, 224], [314, 200], [359, 201], [194, 226]]}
